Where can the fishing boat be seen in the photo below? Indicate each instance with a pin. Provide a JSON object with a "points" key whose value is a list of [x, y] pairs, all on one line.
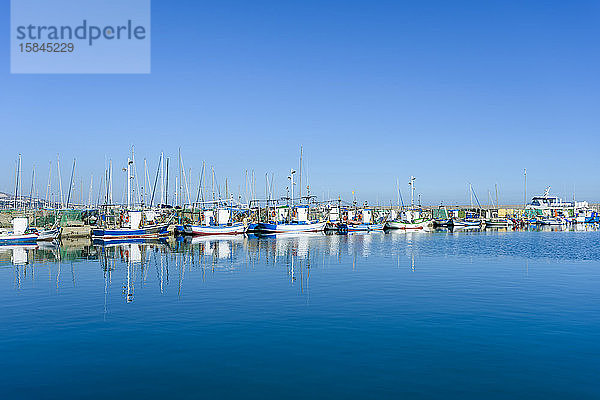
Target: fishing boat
{"points": [[441, 223], [410, 220], [552, 209], [20, 234], [498, 222], [216, 222], [131, 228], [586, 216], [290, 218], [552, 221], [133, 224], [49, 235], [333, 219], [281, 221], [364, 227], [420, 223], [362, 221], [308, 226], [465, 222]]}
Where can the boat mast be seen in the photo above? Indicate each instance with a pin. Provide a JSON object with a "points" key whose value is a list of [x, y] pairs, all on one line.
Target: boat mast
{"points": [[470, 196], [16, 182], [177, 188], [212, 185], [291, 177], [110, 179], [184, 181], [20, 181], [162, 176], [167, 182], [524, 187], [31, 193], [300, 175], [134, 177], [71, 184], [49, 181], [398, 190], [412, 191], [497, 196], [59, 182], [128, 183], [90, 193], [199, 185], [146, 184]]}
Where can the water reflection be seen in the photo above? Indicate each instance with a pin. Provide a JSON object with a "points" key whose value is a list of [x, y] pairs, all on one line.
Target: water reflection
{"points": [[164, 265]]}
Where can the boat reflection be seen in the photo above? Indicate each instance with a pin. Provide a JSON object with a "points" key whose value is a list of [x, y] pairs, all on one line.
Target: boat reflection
{"points": [[164, 265]]}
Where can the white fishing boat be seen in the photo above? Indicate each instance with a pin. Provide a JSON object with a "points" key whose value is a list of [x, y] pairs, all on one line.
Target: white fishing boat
{"points": [[290, 219], [552, 221], [49, 235], [498, 222], [216, 222], [465, 222], [298, 221], [362, 221], [230, 229], [409, 220], [421, 223], [549, 207]]}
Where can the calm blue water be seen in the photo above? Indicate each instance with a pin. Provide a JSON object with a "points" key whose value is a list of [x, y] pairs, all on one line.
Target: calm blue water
{"points": [[402, 315]]}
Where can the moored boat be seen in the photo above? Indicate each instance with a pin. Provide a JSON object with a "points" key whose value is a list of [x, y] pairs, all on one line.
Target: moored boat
{"points": [[20, 233], [362, 227], [411, 219], [465, 222], [280, 227], [226, 229], [420, 223], [216, 222], [499, 222], [49, 234], [132, 229], [552, 221]]}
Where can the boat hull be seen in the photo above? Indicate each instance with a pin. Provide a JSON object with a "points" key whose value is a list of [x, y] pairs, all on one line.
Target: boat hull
{"points": [[364, 227], [501, 223], [126, 233], [201, 230], [464, 223], [49, 234], [263, 227], [26, 238], [408, 225], [552, 222]]}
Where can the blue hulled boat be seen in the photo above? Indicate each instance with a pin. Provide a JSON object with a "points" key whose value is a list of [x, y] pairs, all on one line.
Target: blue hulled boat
{"points": [[20, 233], [131, 229]]}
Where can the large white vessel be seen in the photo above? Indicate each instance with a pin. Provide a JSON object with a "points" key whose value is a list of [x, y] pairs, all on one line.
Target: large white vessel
{"points": [[553, 206]]}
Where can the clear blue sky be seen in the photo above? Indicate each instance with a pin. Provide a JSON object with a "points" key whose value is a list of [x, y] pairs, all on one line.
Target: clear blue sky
{"points": [[451, 92]]}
